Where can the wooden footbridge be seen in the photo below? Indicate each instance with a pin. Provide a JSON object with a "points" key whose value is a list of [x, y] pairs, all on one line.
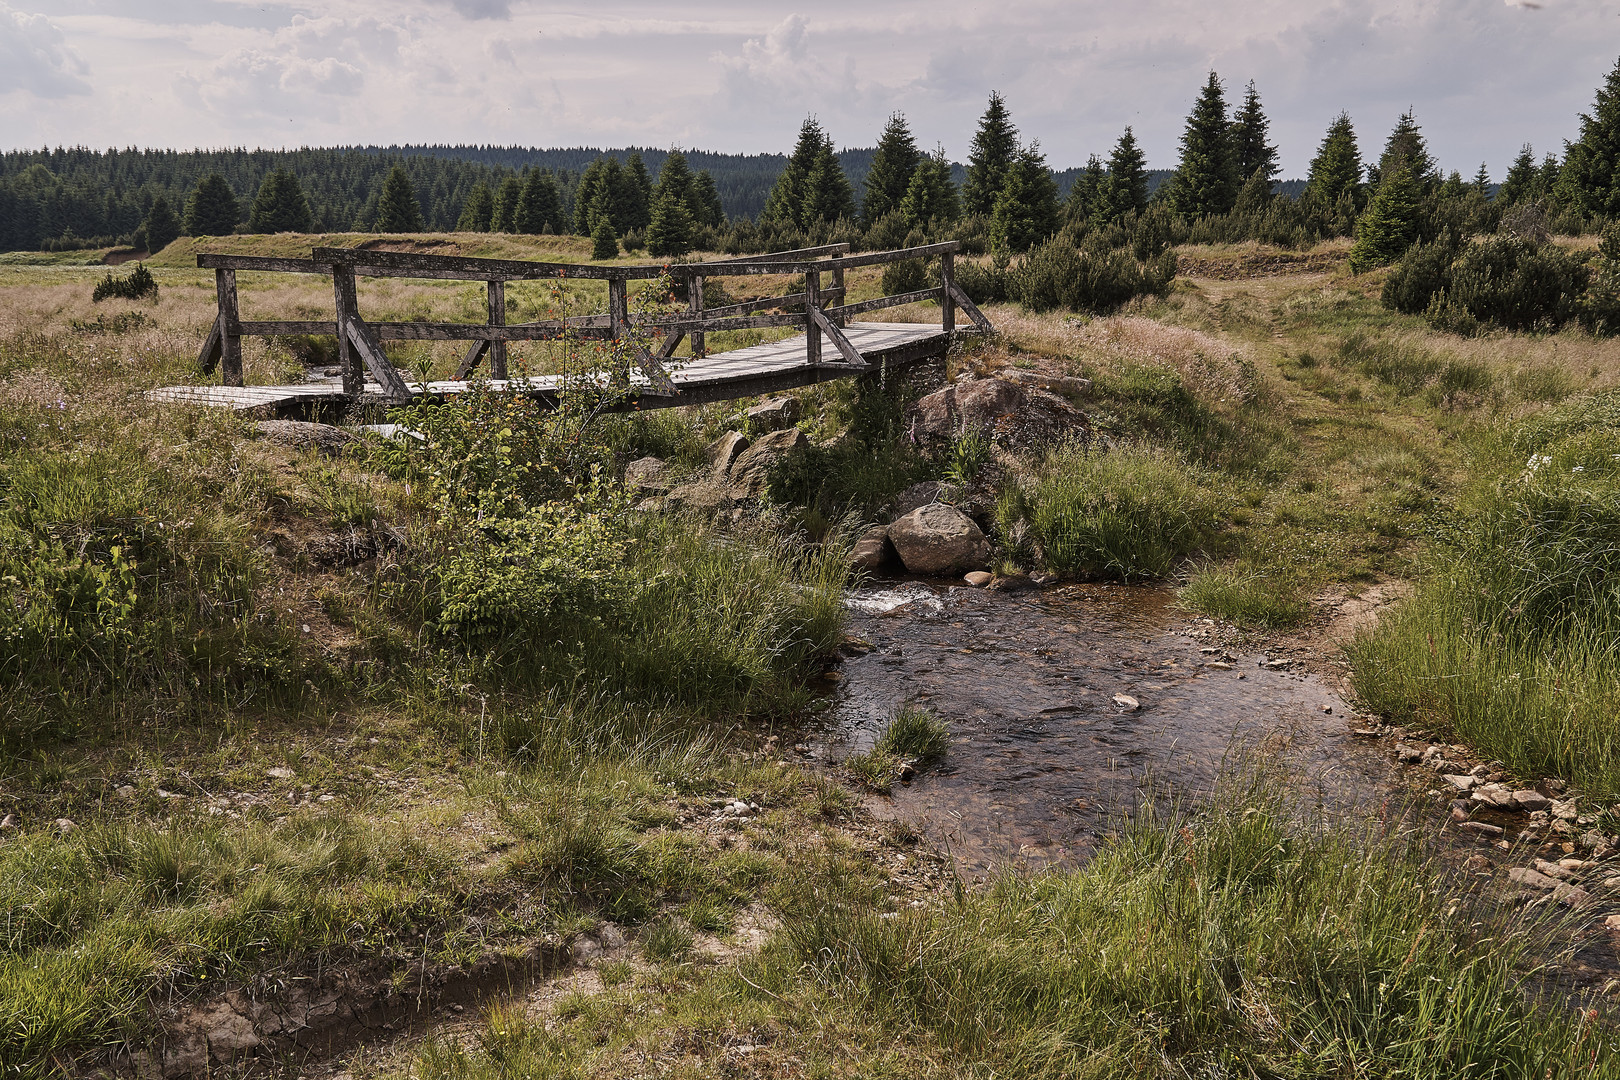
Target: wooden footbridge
{"points": [[831, 345]]}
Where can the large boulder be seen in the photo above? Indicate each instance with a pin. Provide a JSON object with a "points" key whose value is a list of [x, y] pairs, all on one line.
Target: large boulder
{"points": [[774, 414], [1018, 414], [873, 550], [939, 539], [725, 450], [647, 476], [1069, 386], [301, 435], [703, 496], [749, 471]]}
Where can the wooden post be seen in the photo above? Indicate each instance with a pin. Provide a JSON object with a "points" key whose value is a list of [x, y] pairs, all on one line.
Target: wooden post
{"points": [[354, 378], [497, 317], [694, 304], [230, 337], [812, 331], [618, 307], [947, 307], [838, 284]]}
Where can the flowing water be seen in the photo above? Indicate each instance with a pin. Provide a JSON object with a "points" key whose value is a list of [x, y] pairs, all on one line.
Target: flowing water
{"points": [[1047, 749]]}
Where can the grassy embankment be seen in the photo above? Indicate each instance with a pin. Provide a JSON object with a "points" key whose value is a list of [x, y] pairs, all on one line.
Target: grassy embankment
{"points": [[184, 624]]}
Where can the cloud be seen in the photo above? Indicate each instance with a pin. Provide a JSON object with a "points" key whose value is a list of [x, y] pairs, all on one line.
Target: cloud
{"points": [[294, 68], [35, 57], [483, 9]]}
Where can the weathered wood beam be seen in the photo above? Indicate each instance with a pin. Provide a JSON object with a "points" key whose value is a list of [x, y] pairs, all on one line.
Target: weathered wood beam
{"points": [[210, 261], [208, 359], [672, 341], [778, 256], [453, 331], [835, 334], [381, 368], [947, 276], [230, 340], [882, 302], [278, 328], [470, 361], [812, 328], [738, 269], [343, 298], [497, 317], [490, 269], [694, 304], [971, 308]]}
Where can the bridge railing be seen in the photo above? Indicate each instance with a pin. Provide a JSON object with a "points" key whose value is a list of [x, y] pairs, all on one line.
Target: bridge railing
{"points": [[817, 309]]}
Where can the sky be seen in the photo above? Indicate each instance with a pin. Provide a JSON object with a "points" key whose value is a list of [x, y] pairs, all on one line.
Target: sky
{"points": [[1483, 76]]}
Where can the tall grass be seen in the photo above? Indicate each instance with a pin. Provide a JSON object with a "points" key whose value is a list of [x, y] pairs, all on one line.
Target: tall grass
{"points": [[1511, 641], [1228, 944], [1128, 513]]}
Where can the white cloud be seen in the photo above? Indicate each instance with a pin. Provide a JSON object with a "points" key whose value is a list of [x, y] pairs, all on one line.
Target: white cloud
{"points": [[35, 57]]}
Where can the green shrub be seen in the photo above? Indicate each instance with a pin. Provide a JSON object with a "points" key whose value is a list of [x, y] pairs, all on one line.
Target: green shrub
{"points": [[907, 275], [1058, 275], [1502, 281], [1423, 271], [1129, 513], [136, 286], [985, 283]]}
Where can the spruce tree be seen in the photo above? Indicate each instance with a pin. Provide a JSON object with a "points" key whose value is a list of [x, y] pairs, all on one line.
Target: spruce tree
{"points": [[830, 196], [1250, 151], [893, 164], [592, 182], [931, 196], [670, 231], [1125, 189], [540, 206], [1088, 200], [1206, 181], [162, 225], [1391, 222], [706, 201], [640, 180], [789, 196], [1336, 169], [504, 217], [604, 241], [675, 180], [1406, 148], [280, 205], [1482, 181], [397, 209], [1548, 175], [1520, 182], [478, 210], [626, 200], [1590, 179], [994, 149], [212, 209], [1026, 211]]}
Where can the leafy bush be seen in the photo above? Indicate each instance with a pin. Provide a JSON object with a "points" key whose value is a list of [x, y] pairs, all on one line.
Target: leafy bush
{"points": [[1129, 513], [138, 284], [1500, 281], [985, 283], [907, 275], [1058, 275]]}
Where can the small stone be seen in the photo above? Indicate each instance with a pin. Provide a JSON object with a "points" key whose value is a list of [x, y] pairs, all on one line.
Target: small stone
{"points": [[1219, 665], [1571, 895], [1575, 865], [1552, 870], [1126, 702], [1478, 864], [1594, 839], [1482, 828], [1565, 811], [10, 822], [1520, 875], [1367, 733], [1479, 772], [1531, 800], [279, 773], [1612, 882], [66, 826], [1408, 755], [125, 791], [979, 578], [1461, 783], [1327, 709]]}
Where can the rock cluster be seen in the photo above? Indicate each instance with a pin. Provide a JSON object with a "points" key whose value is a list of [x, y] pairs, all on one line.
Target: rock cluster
{"points": [[1020, 411], [301, 435], [935, 539], [738, 470], [1570, 855]]}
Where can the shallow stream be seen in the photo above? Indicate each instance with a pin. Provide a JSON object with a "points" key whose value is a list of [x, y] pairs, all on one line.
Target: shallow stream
{"points": [[1044, 760]]}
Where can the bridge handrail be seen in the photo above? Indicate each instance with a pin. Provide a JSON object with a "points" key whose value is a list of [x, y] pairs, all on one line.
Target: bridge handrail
{"points": [[360, 340]]}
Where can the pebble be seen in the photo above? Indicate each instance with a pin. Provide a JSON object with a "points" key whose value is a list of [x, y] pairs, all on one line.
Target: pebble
{"points": [[1461, 783], [978, 579], [10, 822], [1126, 702], [1612, 922], [1552, 870], [1219, 665], [1531, 800], [279, 773], [1572, 895], [125, 791], [66, 825]]}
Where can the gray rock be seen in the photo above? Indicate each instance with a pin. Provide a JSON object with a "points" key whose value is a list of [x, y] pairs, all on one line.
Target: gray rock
{"points": [[1593, 839], [1483, 828], [302, 435], [703, 496], [979, 578], [725, 450], [939, 539], [750, 469], [1531, 800], [873, 550], [780, 412], [1521, 875], [647, 476], [66, 826], [1067, 385], [1571, 895], [1552, 870], [1461, 783]]}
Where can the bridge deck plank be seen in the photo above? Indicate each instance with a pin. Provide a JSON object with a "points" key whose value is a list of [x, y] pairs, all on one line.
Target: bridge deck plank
{"points": [[781, 363]]}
